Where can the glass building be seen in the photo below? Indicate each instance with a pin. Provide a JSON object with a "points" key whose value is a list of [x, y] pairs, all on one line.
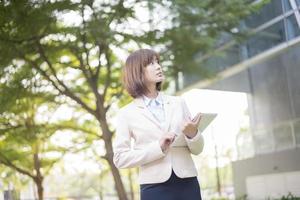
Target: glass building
{"points": [[266, 66]]}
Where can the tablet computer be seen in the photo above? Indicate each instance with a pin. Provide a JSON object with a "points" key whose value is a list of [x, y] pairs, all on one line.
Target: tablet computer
{"points": [[206, 119]]}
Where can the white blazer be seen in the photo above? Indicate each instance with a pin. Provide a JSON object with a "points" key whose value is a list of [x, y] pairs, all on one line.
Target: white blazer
{"points": [[135, 121]]}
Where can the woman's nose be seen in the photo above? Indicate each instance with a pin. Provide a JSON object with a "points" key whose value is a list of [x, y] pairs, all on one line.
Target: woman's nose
{"points": [[158, 67]]}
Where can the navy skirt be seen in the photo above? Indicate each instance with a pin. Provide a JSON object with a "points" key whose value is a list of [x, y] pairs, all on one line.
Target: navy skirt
{"points": [[174, 188]]}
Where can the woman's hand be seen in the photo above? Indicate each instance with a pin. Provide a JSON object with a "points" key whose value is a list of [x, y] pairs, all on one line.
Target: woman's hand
{"points": [[190, 127], [166, 140]]}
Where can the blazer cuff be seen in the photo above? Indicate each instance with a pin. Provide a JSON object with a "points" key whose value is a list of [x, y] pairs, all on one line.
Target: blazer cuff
{"points": [[195, 138], [156, 150], [196, 143]]}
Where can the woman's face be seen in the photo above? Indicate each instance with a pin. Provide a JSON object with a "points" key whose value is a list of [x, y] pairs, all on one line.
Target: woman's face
{"points": [[154, 73]]}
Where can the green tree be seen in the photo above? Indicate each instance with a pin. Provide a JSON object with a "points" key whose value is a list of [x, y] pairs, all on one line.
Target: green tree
{"points": [[33, 35], [24, 139]]}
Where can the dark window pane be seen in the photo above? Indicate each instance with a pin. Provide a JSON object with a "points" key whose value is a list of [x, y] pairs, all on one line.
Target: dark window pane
{"points": [[224, 59], [268, 12], [293, 29], [266, 39], [231, 56], [223, 39], [243, 51], [286, 5], [213, 64]]}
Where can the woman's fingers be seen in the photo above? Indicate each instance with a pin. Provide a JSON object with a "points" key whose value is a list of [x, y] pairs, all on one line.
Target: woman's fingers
{"points": [[197, 118], [170, 137]]}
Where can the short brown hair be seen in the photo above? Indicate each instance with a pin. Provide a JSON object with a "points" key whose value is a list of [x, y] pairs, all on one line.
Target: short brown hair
{"points": [[133, 75]]}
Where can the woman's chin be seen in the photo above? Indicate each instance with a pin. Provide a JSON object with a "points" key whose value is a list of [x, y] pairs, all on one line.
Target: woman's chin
{"points": [[160, 80]]}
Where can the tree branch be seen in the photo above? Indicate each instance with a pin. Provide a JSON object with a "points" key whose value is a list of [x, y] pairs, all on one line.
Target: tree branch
{"points": [[108, 76], [84, 41], [19, 41], [98, 44], [66, 90], [96, 75], [91, 81], [117, 95], [5, 161]]}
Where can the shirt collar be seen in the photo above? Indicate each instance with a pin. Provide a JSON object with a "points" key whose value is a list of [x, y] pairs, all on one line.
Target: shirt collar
{"points": [[157, 99]]}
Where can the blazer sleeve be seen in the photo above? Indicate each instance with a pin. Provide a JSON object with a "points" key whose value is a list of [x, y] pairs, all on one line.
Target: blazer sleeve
{"points": [[126, 157], [196, 143]]}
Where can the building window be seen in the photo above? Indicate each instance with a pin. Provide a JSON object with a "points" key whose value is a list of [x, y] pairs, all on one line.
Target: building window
{"points": [[268, 12], [227, 58], [293, 29], [266, 39], [290, 4], [286, 5]]}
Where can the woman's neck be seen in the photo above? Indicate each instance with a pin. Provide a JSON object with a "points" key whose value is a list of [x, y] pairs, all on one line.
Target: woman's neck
{"points": [[152, 92]]}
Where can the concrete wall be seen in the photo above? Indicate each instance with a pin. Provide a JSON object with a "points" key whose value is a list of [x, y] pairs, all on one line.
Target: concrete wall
{"points": [[277, 162]]}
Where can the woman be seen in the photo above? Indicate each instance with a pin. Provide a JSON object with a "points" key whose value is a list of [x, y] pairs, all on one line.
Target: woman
{"points": [[163, 134]]}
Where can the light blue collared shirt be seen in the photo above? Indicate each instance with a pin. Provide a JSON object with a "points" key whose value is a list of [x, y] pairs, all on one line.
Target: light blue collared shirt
{"points": [[156, 107]]}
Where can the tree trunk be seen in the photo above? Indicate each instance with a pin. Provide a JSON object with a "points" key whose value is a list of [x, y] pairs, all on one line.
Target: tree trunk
{"points": [[131, 184], [217, 172], [38, 177], [107, 137], [117, 178], [39, 185], [118, 181], [101, 187]]}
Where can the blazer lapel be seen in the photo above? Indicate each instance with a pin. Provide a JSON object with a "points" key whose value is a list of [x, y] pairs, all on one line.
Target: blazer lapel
{"points": [[143, 109], [168, 111], [139, 102]]}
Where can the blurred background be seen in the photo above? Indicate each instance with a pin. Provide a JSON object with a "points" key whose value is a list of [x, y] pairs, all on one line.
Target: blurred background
{"points": [[60, 88]]}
